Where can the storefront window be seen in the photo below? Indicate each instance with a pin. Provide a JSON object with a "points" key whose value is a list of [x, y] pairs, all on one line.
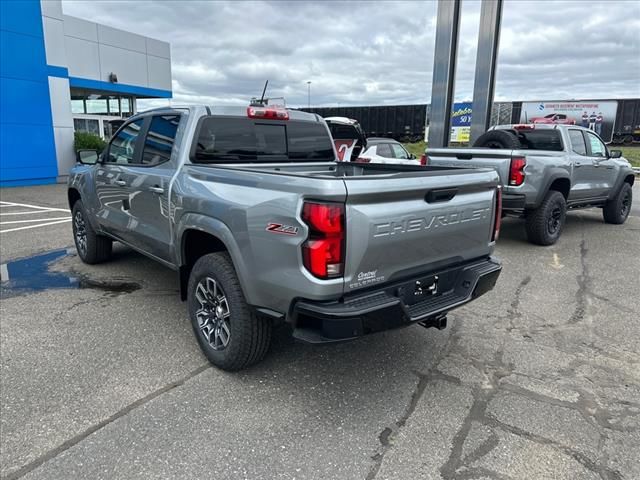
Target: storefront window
{"points": [[77, 105], [114, 106], [96, 105]]}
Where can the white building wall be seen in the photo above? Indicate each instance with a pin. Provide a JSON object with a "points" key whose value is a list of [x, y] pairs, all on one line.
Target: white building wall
{"points": [[59, 93], [94, 51]]}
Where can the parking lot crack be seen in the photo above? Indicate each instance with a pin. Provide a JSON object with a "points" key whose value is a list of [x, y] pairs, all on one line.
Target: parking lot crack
{"points": [[53, 453], [584, 282], [513, 312], [603, 472]]}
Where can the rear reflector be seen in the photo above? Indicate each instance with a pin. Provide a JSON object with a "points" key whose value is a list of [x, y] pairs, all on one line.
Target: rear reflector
{"points": [[498, 218], [323, 252], [267, 113], [516, 171], [423, 159]]}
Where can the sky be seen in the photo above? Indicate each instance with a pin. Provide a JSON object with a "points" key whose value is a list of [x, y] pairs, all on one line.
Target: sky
{"points": [[379, 53]]}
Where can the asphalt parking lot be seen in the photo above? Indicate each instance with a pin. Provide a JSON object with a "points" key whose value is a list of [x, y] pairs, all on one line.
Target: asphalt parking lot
{"points": [[102, 377]]}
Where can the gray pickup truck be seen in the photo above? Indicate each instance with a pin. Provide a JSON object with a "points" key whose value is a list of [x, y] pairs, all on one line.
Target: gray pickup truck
{"points": [[264, 226], [545, 170]]}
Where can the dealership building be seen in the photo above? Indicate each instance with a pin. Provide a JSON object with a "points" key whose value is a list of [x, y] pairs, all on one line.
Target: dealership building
{"points": [[60, 74]]}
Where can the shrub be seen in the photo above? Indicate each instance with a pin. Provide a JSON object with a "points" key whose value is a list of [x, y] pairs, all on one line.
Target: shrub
{"points": [[90, 141]]}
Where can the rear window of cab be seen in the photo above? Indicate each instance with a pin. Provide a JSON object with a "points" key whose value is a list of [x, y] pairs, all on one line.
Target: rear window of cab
{"points": [[234, 140]]}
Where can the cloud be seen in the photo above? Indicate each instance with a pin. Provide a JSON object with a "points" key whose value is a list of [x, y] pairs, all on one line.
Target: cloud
{"points": [[377, 53]]}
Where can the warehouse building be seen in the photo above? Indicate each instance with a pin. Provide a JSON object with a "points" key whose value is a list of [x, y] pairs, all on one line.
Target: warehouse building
{"points": [[60, 73]]}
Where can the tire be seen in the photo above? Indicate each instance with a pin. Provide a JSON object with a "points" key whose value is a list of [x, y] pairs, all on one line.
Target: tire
{"points": [[498, 139], [617, 209], [92, 248], [230, 335], [544, 224]]}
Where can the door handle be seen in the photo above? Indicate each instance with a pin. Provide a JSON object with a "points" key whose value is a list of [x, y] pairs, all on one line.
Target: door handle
{"points": [[156, 189], [577, 164], [120, 183]]}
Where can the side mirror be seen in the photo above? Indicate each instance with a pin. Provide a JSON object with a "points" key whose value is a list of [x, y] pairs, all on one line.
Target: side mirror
{"points": [[615, 153], [87, 157]]}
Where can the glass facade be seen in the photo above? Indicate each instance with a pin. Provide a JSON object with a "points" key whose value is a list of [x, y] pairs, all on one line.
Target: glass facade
{"points": [[97, 104]]}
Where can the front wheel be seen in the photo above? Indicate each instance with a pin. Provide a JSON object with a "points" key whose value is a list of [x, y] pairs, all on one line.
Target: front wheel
{"points": [[92, 248], [230, 335], [617, 209], [544, 224]]}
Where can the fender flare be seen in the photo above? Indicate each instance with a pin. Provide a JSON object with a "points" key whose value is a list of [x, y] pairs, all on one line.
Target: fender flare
{"points": [[622, 175], [218, 229], [552, 176]]}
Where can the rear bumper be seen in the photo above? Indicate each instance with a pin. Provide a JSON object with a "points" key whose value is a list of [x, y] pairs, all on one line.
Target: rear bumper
{"points": [[511, 202], [386, 308]]}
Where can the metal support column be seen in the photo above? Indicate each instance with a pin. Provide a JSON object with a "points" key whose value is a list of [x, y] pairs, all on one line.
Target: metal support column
{"points": [[444, 69], [486, 60]]}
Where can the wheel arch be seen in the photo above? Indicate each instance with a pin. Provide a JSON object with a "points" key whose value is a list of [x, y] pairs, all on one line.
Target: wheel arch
{"points": [[200, 235], [73, 195]]}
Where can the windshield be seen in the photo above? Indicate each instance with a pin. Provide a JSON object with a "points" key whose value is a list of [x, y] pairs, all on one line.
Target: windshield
{"points": [[232, 140]]}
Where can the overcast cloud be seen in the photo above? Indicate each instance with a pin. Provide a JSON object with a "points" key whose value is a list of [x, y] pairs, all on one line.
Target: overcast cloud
{"points": [[360, 53]]}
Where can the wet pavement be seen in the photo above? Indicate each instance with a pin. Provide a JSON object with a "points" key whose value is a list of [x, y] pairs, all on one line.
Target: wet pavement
{"points": [[102, 378]]}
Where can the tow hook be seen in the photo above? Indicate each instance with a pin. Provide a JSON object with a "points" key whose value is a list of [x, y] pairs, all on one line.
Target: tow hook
{"points": [[435, 322]]}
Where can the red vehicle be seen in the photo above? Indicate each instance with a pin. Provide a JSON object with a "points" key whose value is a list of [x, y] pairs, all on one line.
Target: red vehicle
{"points": [[558, 118]]}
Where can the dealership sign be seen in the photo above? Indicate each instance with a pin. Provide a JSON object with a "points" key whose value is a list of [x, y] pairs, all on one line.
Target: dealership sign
{"points": [[461, 122], [594, 115]]}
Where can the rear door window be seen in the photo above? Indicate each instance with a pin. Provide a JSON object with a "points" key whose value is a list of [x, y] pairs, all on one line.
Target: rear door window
{"points": [[229, 140]]}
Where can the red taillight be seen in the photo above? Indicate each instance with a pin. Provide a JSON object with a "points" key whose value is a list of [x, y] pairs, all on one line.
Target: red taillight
{"points": [[323, 252], [424, 159], [498, 218], [524, 126], [516, 173], [267, 113]]}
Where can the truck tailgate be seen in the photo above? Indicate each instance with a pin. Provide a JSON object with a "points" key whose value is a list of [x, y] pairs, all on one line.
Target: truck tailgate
{"points": [[416, 222], [499, 160]]}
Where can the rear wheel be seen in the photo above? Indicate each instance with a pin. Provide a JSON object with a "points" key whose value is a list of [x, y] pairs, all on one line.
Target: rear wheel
{"points": [[617, 209], [92, 248], [230, 335], [544, 224]]}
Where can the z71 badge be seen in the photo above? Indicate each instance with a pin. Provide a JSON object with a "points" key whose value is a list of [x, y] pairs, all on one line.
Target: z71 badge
{"points": [[283, 229]]}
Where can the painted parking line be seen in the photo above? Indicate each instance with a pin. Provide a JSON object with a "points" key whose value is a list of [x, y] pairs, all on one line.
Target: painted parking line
{"points": [[43, 220], [35, 226], [33, 220], [35, 207]]}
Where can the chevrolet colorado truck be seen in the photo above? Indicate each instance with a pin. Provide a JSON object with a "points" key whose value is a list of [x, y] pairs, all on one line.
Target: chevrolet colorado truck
{"points": [[250, 207], [546, 170]]}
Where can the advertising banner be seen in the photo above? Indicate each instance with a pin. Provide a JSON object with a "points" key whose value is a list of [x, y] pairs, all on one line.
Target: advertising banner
{"points": [[461, 122], [594, 115]]}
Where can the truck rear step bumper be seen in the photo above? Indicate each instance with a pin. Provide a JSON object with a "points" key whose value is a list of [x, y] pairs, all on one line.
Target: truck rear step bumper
{"points": [[396, 305], [511, 202]]}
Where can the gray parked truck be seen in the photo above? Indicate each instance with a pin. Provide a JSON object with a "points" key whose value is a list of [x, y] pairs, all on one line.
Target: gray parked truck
{"points": [[264, 226], [545, 170]]}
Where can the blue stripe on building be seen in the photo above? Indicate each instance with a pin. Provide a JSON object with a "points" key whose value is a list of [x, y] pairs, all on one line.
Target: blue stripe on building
{"points": [[27, 146]]}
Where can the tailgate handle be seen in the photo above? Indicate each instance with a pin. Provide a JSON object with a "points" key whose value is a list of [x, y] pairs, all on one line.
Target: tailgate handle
{"points": [[464, 156], [442, 195]]}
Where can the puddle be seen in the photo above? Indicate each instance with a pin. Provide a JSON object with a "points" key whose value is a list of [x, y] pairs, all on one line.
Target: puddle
{"points": [[32, 275]]}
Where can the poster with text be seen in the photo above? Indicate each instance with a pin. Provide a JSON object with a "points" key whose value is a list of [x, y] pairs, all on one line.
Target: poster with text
{"points": [[461, 122], [594, 115]]}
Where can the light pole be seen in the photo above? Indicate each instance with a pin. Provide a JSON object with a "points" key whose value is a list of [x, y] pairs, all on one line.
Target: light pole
{"points": [[309, 94]]}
